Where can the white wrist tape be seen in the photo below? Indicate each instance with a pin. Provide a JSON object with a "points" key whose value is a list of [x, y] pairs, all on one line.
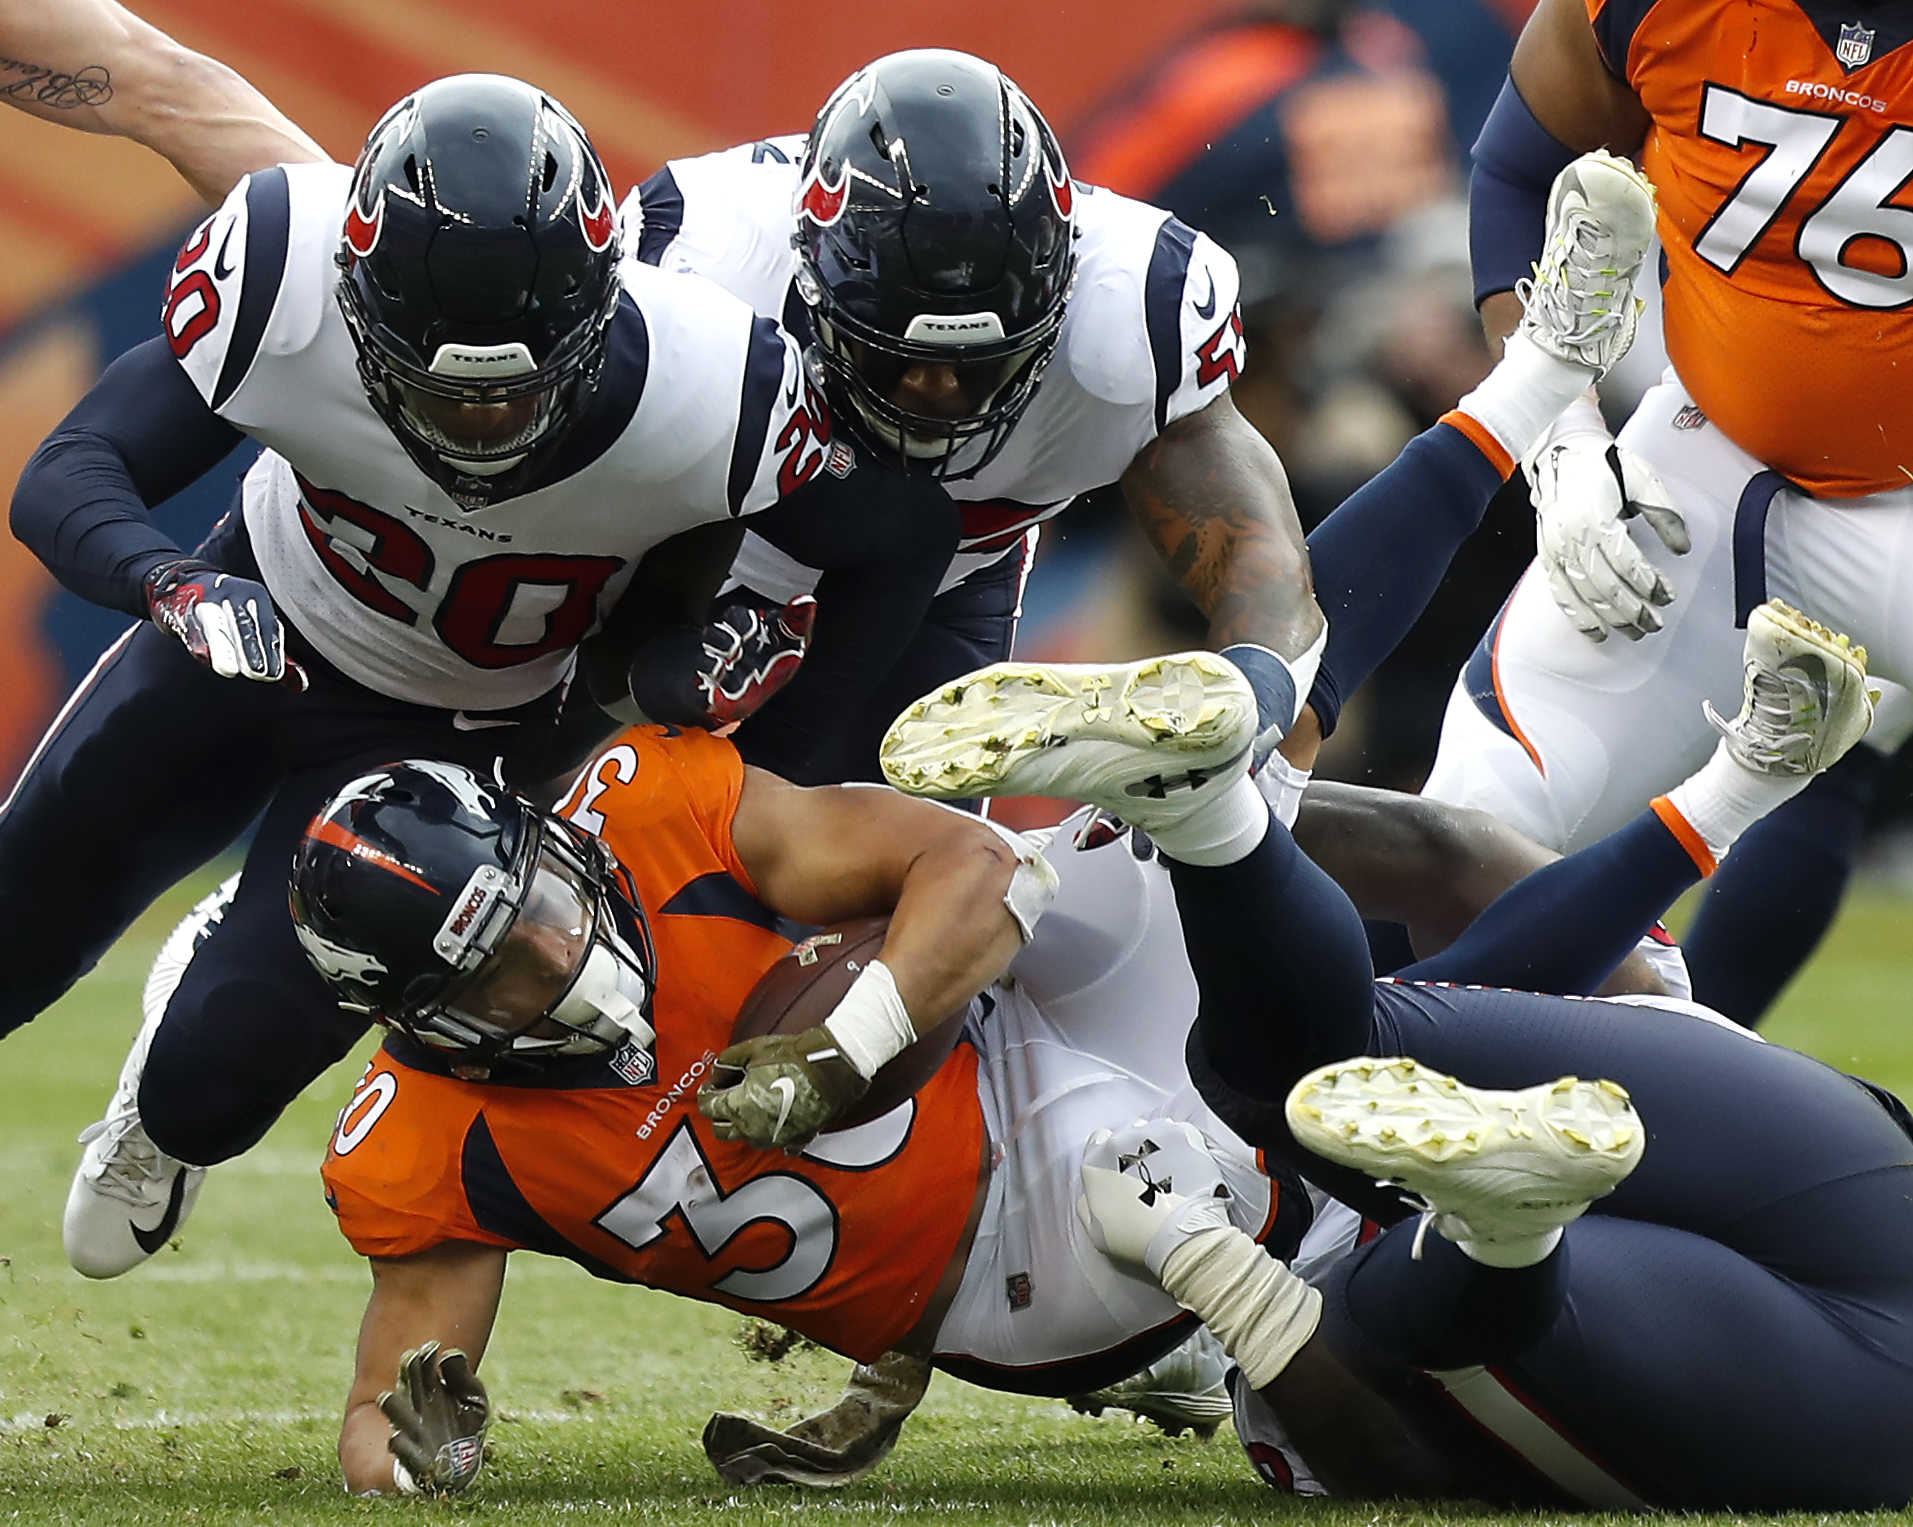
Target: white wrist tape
{"points": [[871, 1025], [1032, 887], [1260, 1311], [402, 1477]]}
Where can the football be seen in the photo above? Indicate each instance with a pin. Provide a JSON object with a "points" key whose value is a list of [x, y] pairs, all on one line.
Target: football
{"points": [[801, 990]]}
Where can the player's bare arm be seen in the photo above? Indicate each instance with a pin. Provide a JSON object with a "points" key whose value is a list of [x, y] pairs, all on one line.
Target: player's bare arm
{"points": [[960, 901], [1560, 73], [1213, 500], [447, 1295], [94, 65]]}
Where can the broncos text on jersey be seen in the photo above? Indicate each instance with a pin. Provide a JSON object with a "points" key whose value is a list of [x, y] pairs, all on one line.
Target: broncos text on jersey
{"points": [[701, 414], [1152, 333], [1781, 145]]}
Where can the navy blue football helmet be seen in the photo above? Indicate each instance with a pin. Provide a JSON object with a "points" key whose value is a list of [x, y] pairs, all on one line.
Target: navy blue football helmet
{"points": [[479, 277], [935, 240]]}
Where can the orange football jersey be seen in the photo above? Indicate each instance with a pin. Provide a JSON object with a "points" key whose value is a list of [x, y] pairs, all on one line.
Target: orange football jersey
{"points": [[612, 1165], [1781, 148]]}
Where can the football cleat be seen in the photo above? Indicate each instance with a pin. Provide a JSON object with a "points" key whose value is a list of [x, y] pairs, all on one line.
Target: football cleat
{"points": [[1806, 700], [1187, 1391], [1144, 740], [1499, 1173], [129, 1198], [1580, 304]]}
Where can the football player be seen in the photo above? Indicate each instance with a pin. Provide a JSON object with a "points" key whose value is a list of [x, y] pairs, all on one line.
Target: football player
{"points": [[94, 65], [476, 425], [1720, 1323], [978, 318], [1773, 459]]}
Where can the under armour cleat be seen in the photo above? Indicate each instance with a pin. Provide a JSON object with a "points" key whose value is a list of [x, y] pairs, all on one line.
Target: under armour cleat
{"points": [[1580, 304], [129, 1198], [1187, 1391], [1139, 739], [1806, 700], [1498, 1172]]}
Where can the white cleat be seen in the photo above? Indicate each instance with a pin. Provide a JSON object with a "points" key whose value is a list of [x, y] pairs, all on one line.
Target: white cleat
{"points": [[1806, 699], [1580, 304], [1187, 1391], [1499, 1172], [129, 1198], [1136, 738]]}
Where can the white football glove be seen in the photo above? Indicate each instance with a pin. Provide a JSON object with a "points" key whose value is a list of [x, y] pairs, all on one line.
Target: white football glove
{"points": [[1586, 488], [1147, 1188]]}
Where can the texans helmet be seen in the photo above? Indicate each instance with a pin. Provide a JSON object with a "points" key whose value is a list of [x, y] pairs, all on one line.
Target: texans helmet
{"points": [[478, 275], [934, 234], [457, 912]]}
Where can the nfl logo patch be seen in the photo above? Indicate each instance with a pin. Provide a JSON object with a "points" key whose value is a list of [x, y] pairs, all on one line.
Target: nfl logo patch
{"points": [[1689, 417], [1017, 1286], [1855, 46], [633, 1063]]}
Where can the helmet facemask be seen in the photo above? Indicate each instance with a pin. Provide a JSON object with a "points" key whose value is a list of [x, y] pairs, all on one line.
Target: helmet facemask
{"points": [[548, 966]]}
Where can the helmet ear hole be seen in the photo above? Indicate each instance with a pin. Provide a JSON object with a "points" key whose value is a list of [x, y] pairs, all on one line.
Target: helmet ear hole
{"points": [[551, 171], [412, 177]]}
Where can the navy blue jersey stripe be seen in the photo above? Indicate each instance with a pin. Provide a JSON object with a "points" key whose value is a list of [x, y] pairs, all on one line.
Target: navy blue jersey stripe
{"points": [[763, 376], [607, 413], [718, 895], [1614, 29], [663, 206], [1162, 307], [499, 1205], [268, 223]]}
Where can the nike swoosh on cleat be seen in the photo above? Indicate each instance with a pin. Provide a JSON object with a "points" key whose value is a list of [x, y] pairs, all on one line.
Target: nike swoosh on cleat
{"points": [[465, 723], [150, 1241], [786, 1089]]}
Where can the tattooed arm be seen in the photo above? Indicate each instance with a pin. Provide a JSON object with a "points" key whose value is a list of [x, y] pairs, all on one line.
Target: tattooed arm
{"points": [[94, 65], [1213, 500]]}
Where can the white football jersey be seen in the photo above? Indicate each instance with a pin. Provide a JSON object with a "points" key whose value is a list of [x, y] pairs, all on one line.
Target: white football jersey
{"points": [[1152, 332], [383, 571]]}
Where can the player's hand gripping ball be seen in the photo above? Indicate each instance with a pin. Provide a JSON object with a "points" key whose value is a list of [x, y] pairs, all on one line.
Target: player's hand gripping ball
{"points": [[781, 1088], [439, 1415]]}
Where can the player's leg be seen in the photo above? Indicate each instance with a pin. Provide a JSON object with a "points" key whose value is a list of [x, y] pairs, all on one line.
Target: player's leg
{"points": [[1565, 739], [1772, 901], [153, 766], [966, 627]]}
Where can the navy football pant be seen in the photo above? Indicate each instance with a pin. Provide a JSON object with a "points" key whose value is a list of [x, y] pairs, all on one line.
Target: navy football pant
{"points": [[154, 767], [1731, 1329]]}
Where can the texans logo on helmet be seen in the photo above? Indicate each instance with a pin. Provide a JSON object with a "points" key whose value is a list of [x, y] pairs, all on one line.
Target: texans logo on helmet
{"points": [[597, 222], [362, 232], [820, 201], [1061, 192]]}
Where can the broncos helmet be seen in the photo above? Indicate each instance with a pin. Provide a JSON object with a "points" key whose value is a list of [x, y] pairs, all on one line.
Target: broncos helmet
{"points": [[934, 227], [457, 912], [478, 275]]}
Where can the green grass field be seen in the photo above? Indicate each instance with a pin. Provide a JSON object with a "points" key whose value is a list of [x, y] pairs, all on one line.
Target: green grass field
{"points": [[205, 1387]]}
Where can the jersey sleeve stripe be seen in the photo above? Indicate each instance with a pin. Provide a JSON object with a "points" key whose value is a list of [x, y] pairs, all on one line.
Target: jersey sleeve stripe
{"points": [[763, 376], [500, 1208], [662, 204], [1162, 308], [268, 223], [1615, 23]]}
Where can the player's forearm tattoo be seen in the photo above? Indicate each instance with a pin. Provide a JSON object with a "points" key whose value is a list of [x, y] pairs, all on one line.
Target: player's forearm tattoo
{"points": [[1210, 499], [90, 86]]}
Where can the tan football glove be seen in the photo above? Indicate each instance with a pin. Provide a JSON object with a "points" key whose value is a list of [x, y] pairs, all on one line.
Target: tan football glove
{"points": [[439, 1415], [780, 1089]]}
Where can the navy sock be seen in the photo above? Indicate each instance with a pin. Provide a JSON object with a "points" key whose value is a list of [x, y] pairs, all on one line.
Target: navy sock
{"points": [[1379, 558], [1772, 900], [1446, 1310], [1565, 927]]}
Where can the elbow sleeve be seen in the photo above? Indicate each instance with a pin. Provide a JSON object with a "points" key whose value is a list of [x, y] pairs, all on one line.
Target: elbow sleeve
{"points": [[1516, 160]]}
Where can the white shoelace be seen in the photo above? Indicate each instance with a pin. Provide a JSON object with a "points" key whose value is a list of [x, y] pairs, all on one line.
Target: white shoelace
{"points": [[1566, 294], [132, 1166], [1767, 735]]}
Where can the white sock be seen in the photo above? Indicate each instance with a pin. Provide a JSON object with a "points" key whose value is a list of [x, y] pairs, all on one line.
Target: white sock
{"points": [[1260, 1311], [1222, 829], [1282, 784], [1723, 799], [1520, 399], [1516, 1251]]}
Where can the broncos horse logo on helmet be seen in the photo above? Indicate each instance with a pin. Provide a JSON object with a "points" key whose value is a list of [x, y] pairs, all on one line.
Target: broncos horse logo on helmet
{"points": [[478, 277], [934, 239]]}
